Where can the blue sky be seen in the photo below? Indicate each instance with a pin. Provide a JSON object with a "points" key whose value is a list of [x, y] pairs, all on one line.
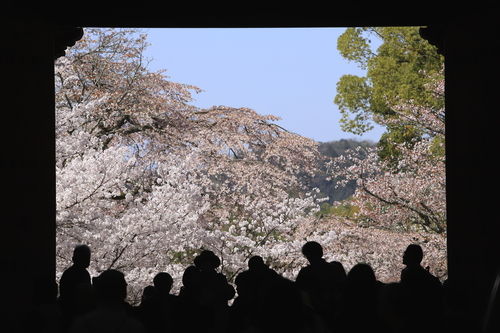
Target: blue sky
{"points": [[289, 72]]}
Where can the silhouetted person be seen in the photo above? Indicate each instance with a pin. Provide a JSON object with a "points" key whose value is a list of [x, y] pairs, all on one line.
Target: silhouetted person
{"points": [[318, 279], [338, 263], [215, 286], [260, 275], [245, 308], [414, 275], [193, 314], [425, 289], [70, 279], [216, 291], [140, 311], [412, 258], [358, 299], [112, 313], [252, 286], [148, 292], [161, 308]]}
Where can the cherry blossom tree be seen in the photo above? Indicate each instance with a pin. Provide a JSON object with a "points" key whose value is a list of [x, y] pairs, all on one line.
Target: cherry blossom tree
{"points": [[147, 180], [409, 192], [399, 200]]}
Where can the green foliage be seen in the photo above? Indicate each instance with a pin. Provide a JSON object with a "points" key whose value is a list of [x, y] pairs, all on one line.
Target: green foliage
{"points": [[353, 47], [344, 209], [347, 87], [438, 146], [397, 71], [397, 134]]}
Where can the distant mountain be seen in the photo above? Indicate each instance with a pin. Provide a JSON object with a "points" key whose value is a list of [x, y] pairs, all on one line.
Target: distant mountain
{"points": [[335, 149]]}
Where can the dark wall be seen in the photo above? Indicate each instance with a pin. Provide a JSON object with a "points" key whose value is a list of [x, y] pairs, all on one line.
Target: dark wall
{"points": [[27, 125], [472, 167], [27, 121]]}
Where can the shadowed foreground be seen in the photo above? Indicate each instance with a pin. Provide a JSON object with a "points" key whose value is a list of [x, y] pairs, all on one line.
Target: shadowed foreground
{"points": [[323, 298]]}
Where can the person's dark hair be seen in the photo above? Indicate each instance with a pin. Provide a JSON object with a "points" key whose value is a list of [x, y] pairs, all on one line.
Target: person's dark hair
{"points": [[339, 264], [361, 274], [207, 256], [81, 255], [191, 276], [148, 292], [110, 285], [256, 262], [163, 281], [312, 250], [242, 279], [413, 254]]}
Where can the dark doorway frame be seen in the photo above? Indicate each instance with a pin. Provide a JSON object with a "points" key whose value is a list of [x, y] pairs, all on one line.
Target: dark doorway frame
{"points": [[28, 39]]}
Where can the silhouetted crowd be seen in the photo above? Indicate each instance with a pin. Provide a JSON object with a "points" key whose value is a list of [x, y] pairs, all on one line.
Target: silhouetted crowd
{"points": [[323, 299]]}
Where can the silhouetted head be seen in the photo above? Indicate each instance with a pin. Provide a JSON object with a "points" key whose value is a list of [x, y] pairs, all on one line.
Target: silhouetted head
{"points": [[110, 286], [191, 276], [163, 282], [243, 283], [256, 262], [339, 264], [361, 274], [413, 255], [312, 251], [81, 256], [149, 291], [207, 259]]}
